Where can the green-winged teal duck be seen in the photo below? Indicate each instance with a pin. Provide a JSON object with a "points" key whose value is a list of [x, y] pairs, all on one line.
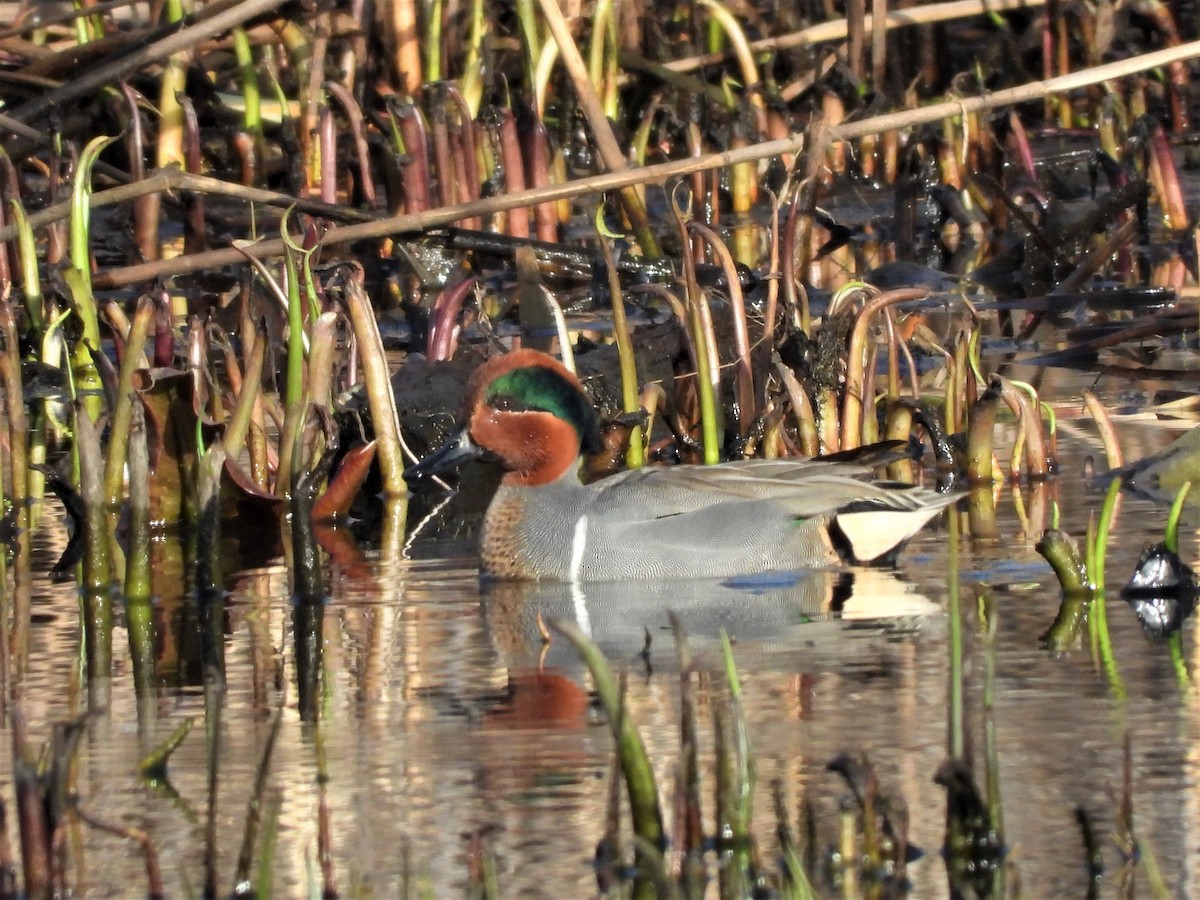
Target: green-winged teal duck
{"points": [[528, 412]]}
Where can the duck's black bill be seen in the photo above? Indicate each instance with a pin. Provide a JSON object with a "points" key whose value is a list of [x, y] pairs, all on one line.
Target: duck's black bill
{"points": [[456, 451]]}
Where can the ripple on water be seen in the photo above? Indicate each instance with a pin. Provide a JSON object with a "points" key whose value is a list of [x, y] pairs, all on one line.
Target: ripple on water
{"points": [[444, 712]]}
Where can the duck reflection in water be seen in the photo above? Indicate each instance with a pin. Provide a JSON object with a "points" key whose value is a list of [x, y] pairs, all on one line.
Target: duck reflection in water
{"points": [[828, 613], [539, 698]]}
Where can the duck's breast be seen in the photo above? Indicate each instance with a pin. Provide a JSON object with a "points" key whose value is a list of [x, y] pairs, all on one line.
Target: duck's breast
{"points": [[528, 533]]}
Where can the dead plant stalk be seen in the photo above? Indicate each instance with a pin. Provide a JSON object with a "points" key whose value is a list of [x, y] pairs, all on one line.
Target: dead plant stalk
{"points": [[416, 222]]}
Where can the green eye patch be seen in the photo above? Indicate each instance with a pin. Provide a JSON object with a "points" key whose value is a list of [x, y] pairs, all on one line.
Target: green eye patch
{"points": [[535, 388]]}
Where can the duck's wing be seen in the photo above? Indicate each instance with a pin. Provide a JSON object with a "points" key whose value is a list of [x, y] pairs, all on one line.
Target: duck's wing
{"points": [[805, 487], [749, 522]]}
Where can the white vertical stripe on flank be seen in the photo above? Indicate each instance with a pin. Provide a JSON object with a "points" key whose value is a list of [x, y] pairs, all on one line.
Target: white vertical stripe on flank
{"points": [[579, 602], [577, 546]]}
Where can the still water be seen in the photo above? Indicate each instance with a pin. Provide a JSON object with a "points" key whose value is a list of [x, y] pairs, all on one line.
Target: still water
{"points": [[443, 714]]}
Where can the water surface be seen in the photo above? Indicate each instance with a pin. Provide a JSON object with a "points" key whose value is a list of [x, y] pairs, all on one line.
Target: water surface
{"points": [[443, 713]]}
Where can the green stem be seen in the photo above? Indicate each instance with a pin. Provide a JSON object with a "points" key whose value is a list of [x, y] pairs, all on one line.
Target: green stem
{"points": [[635, 764], [1171, 537], [1106, 516], [139, 578], [243, 411], [700, 324], [294, 391], [122, 417], [635, 456], [433, 42], [956, 743], [602, 12], [174, 82], [1100, 601], [251, 94], [531, 42], [31, 282], [154, 764], [471, 82], [987, 619], [266, 850], [1061, 551], [1179, 662], [738, 772]]}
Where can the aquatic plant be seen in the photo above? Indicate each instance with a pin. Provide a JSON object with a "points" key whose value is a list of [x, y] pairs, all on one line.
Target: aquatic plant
{"points": [[329, 175]]}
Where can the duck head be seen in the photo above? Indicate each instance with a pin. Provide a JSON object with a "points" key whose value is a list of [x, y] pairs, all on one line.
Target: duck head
{"points": [[526, 411]]}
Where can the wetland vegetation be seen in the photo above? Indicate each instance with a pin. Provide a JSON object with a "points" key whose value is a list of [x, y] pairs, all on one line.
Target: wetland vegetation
{"points": [[253, 249]]}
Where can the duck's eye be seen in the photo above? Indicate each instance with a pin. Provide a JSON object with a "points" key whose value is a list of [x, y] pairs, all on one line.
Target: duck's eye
{"points": [[508, 403]]}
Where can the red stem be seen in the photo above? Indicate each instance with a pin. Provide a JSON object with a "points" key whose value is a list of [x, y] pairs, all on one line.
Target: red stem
{"points": [[416, 146], [538, 166], [358, 130], [195, 236], [443, 162], [514, 172], [327, 137], [444, 319]]}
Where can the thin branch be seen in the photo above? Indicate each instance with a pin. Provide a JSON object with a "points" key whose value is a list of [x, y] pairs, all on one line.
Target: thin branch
{"points": [[230, 16], [838, 29], [175, 179], [415, 223]]}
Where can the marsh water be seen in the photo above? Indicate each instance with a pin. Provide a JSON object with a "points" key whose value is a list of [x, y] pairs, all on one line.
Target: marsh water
{"points": [[444, 715]]}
